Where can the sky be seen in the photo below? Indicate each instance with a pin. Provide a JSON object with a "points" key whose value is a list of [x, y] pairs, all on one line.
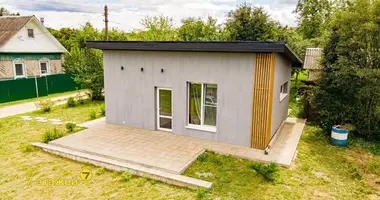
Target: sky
{"points": [[127, 14]]}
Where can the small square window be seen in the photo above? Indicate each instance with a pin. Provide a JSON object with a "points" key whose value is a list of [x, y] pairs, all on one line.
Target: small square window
{"points": [[19, 70], [284, 91], [44, 66], [31, 33]]}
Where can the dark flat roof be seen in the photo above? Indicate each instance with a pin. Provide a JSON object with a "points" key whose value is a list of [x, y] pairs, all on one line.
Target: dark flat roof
{"points": [[217, 46]]}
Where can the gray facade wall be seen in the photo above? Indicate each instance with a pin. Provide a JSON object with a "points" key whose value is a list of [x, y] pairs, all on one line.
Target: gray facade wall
{"points": [[283, 70], [130, 93]]}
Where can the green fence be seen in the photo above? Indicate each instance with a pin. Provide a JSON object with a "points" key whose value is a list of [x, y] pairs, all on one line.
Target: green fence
{"points": [[18, 89]]}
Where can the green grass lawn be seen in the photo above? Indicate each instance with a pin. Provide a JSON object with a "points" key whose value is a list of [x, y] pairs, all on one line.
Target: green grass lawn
{"points": [[321, 171], [40, 98], [294, 105]]}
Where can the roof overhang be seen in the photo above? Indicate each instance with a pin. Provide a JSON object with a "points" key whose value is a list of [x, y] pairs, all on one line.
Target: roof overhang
{"points": [[228, 47]]}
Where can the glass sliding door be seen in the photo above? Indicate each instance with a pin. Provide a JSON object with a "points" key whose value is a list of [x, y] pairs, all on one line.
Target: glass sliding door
{"points": [[164, 109]]}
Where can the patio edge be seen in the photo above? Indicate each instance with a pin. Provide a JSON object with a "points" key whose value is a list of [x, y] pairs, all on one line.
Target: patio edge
{"points": [[170, 178]]}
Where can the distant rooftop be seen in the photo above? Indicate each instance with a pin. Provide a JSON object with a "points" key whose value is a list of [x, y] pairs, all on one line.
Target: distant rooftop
{"points": [[10, 25], [209, 46], [313, 58]]}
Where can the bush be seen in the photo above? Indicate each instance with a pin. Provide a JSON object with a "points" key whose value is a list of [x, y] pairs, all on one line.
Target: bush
{"points": [[269, 171], [100, 171], [45, 105], [203, 157], [51, 135], [80, 99], [202, 193], [103, 110], [70, 127], [126, 176], [92, 115], [70, 102]]}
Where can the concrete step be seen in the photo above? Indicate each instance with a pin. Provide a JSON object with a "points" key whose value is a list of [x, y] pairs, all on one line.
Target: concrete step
{"points": [[111, 164], [113, 158]]}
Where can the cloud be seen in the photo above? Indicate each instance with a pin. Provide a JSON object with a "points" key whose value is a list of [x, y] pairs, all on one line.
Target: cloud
{"points": [[127, 14]]}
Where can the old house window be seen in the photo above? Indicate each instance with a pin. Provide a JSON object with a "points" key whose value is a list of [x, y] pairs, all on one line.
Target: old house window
{"points": [[44, 67], [19, 69], [31, 33], [284, 91], [202, 100]]}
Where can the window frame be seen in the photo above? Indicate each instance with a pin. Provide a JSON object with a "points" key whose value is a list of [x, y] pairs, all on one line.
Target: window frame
{"points": [[27, 30], [202, 126], [15, 62], [47, 67], [284, 94]]}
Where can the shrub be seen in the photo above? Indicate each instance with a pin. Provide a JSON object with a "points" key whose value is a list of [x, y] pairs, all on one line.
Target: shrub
{"points": [[203, 157], [70, 127], [51, 135], [70, 102], [92, 115], [80, 99], [269, 171], [45, 105], [103, 110], [202, 193], [26, 147], [100, 171], [126, 176]]}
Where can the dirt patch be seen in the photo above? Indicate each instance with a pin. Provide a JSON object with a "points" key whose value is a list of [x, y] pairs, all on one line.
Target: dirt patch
{"points": [[322, 195], [321, 175]]}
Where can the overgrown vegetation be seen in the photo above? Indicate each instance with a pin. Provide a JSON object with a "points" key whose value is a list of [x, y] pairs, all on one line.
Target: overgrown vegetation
{"points": [[45, 105], [51, 135], [269, 171], [70, 102], [70, 127], [126, 176], [349, 90], [92, 114], [103, 110]]}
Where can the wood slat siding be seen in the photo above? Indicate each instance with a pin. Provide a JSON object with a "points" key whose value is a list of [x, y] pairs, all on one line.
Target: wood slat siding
{"points": [[262, 100]]}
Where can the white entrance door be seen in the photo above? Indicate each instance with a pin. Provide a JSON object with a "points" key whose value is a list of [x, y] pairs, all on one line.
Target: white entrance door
{"points": [[164, 109]]}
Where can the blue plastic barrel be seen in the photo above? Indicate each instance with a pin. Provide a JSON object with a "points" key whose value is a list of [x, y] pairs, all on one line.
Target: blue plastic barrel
{"points": [[339, 136]]}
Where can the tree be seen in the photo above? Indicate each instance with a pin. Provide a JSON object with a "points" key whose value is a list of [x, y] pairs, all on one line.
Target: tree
{"points": [[86, 65], [349, 90], [314, 17], [250, 23], [158, 29], [3, 10], [195, 29]]}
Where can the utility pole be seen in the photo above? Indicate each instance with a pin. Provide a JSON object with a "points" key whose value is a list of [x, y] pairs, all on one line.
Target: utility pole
{"points": [[106, 20]]}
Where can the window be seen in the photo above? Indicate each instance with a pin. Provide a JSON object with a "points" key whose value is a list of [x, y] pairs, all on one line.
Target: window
{"points": [[283, 91], [19, 69], [202, 105], [31, 33], [44, 67]]}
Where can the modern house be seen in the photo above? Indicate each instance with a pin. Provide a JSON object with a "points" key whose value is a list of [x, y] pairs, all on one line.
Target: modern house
{"points": [[27, 49], [313, 63], [233, 92]]}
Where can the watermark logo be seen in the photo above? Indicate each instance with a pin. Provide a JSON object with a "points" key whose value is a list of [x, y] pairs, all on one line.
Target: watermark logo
{"points": [[86, 174]]}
